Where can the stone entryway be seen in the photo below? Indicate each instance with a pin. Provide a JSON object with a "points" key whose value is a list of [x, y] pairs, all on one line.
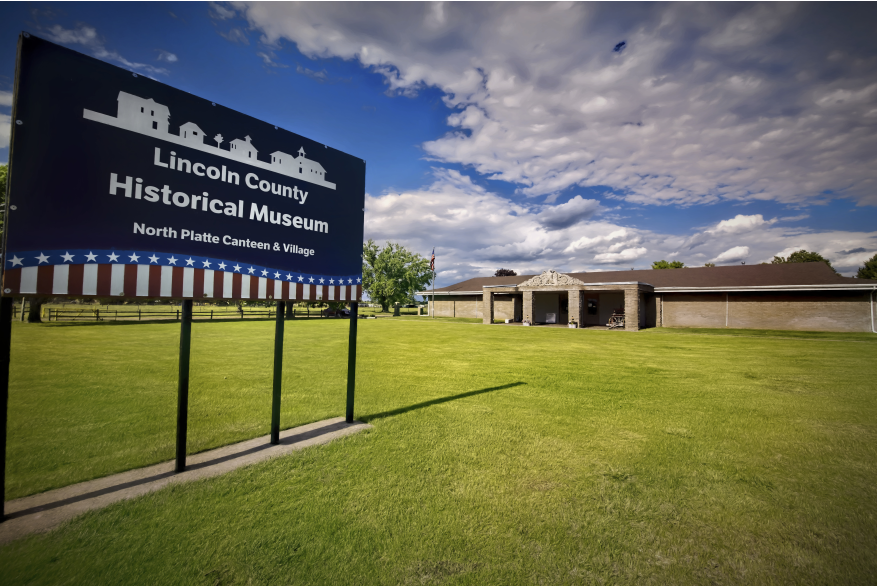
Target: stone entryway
{"points": [[567, 297]]}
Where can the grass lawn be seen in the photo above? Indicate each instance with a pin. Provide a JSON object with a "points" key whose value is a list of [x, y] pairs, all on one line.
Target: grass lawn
{"points": [[498, 455]]}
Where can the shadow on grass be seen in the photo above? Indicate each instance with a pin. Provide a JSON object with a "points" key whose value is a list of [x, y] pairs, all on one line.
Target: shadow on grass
{"points": [[300, 437], [306, 435], [440, 400]]}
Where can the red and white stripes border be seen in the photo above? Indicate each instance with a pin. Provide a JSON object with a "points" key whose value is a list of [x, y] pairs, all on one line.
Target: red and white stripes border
{"points": [[154, 281]]}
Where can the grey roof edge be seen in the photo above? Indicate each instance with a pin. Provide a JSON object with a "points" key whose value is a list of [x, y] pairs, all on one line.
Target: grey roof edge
{"points": [[449, 293], [811, 287]]}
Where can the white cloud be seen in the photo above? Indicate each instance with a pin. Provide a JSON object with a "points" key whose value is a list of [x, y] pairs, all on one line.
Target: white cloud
{"points": [[617, 238], [625, 255], [854, 258], [569, 213], [236, 35], [84, 35], [740, 223], [756, 240], [88, 37], [219, 12], [167, 56], [5, 130], [320, 76], [476, 231], [5, 98], [268, 59], [706, 102], [733, 255]]}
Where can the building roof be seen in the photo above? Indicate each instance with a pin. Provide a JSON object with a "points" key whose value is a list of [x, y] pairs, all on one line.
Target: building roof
{"points": [[731, 277]]}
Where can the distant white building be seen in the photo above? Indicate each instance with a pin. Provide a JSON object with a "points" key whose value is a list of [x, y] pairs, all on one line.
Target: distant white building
{"points": [[192, 133], [142, 114], [300, 166], [243, 149]]}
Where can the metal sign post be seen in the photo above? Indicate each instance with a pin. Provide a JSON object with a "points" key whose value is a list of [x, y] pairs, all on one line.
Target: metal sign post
{"points": [[278, 373], [351, 360], [5, 346], [183, 384]]}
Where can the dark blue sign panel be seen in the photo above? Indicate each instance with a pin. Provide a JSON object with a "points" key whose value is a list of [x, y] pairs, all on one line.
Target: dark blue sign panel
{"points": [[126, 186]]}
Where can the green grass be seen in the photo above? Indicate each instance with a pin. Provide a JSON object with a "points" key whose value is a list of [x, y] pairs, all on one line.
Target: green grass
{"points": [[498, 455]]}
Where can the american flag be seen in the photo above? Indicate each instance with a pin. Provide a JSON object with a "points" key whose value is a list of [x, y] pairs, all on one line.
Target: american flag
{"points": [[164, 275], [432, 261]]}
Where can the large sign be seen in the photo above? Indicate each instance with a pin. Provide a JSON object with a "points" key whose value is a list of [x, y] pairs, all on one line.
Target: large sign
{"points": [[123, 186]]}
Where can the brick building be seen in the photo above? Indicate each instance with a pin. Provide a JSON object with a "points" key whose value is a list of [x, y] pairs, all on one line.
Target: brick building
{"points": [[793, 296]]}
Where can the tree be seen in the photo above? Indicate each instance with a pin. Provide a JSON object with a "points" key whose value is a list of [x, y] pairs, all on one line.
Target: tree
{"points": [[392, 274], [709, 264], [504, 273], [802, 256], [665, 265], [869, 271]]}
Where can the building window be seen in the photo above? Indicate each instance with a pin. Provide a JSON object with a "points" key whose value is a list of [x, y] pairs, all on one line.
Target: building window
{"points": [[141, 109], [154, 125], [152, 112], [592, 307]]}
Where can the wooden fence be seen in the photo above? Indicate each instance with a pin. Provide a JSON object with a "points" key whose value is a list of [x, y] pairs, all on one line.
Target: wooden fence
{"points": [[98, 315]]}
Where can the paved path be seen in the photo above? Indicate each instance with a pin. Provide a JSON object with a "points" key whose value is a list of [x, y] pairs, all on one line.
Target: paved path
{"points": [[45, 511]]}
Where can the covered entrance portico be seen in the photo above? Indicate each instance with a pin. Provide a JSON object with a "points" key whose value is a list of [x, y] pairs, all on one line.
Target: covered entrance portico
{"points": [[554, 297]]}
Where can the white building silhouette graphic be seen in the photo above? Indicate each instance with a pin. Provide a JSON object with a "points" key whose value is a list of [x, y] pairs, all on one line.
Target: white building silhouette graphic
{"points": [[145, 116], [299, 166], [142, 114], [192, 133], [243, 150]]}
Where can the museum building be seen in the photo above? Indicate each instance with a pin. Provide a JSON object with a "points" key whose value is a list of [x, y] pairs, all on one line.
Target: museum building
{"points": [[790, 296]]}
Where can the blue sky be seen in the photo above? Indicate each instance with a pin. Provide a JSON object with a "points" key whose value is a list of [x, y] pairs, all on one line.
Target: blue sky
{"points": [[527, 136]]}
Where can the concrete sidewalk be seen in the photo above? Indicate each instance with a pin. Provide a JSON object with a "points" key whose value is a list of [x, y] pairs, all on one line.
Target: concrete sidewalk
{"points": [[45, 511]]}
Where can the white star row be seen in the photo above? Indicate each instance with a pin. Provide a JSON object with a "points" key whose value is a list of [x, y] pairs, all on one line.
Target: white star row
{"points": [[68, 258]]}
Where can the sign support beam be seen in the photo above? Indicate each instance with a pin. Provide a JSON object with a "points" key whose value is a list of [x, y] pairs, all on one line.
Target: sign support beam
{"points": [[5, 345], [183, 384], [278, 372], [351, 360]]}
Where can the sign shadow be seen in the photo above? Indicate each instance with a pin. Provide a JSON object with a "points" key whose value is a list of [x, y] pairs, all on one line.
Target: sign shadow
{"points": [[440, 400], [120, 487]]}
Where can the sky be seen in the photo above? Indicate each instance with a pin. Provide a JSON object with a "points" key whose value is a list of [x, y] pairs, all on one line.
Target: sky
{"points": [[566, 136]]}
